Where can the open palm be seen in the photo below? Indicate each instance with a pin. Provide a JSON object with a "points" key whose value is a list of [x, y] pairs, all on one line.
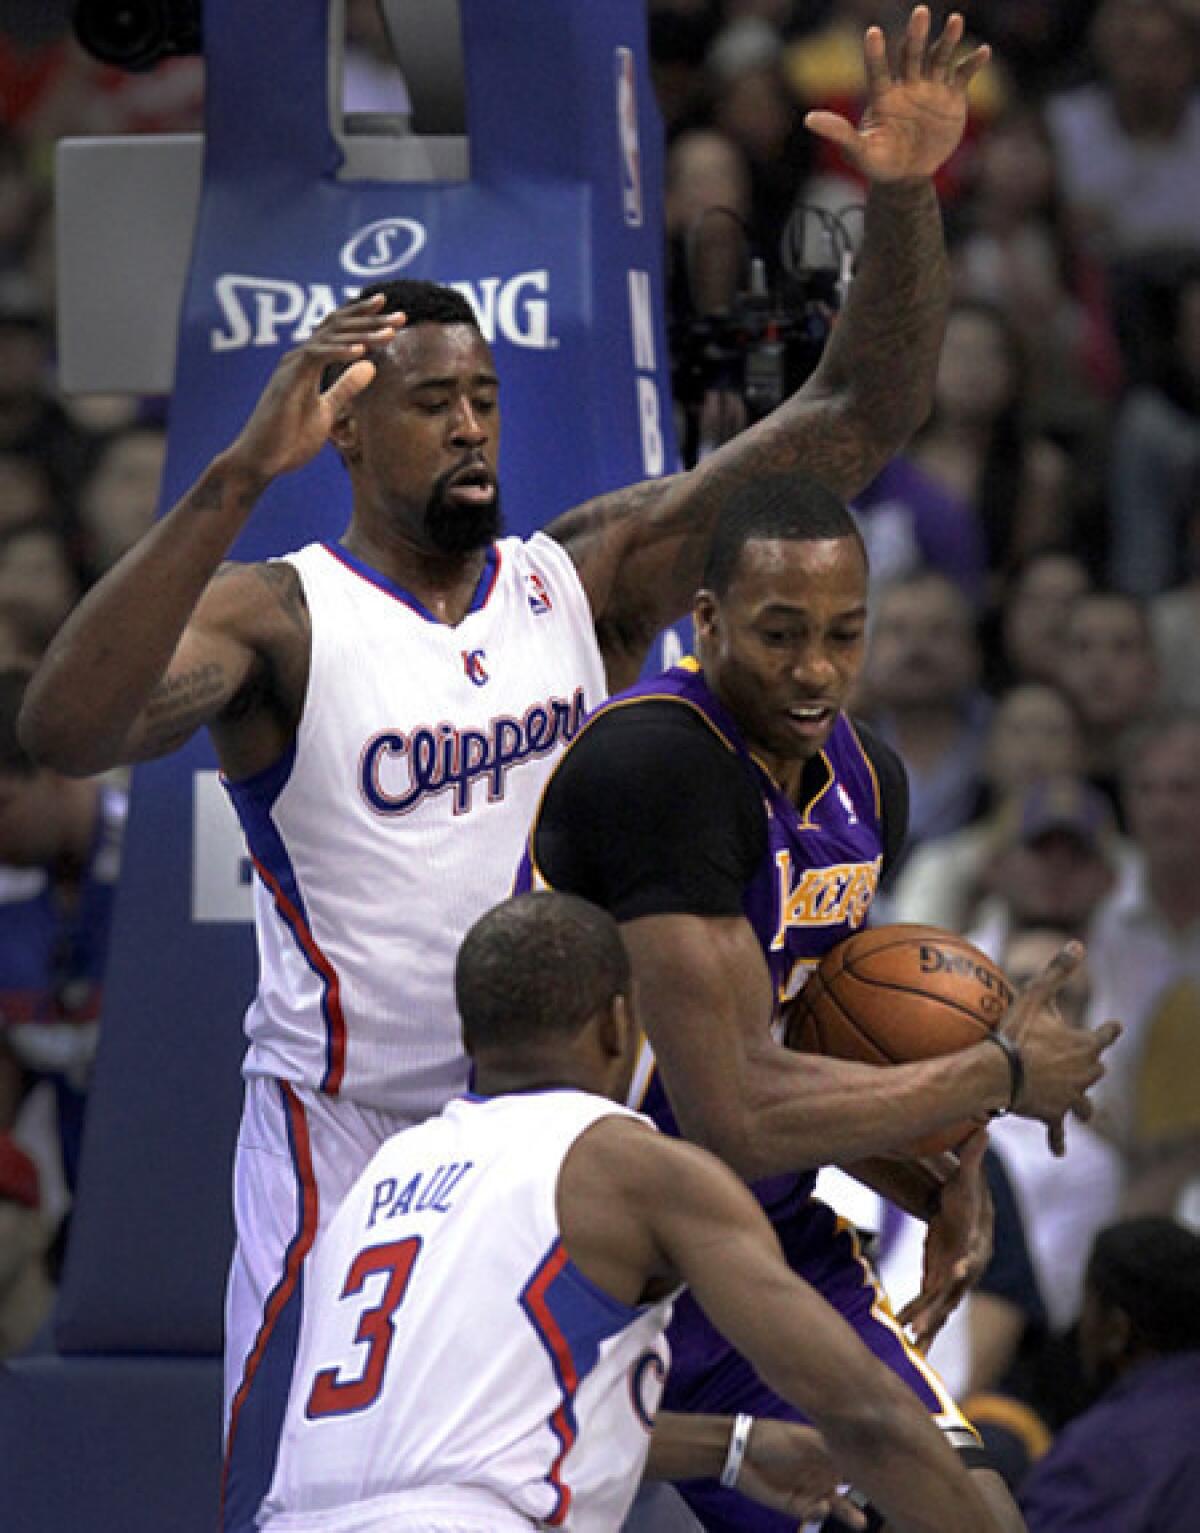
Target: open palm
{"points": [[916, 113]]}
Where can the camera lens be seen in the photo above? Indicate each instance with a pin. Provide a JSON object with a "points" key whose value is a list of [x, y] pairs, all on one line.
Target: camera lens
{"points": [[137, 34]]}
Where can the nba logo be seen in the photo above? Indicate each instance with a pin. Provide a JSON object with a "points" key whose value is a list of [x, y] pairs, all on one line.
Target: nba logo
{"points": [[627, 132], [847, 804], [539, 597]]}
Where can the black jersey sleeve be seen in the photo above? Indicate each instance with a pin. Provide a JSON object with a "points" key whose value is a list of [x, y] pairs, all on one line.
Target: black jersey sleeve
{"points": [[650, 813], [893, 792]]}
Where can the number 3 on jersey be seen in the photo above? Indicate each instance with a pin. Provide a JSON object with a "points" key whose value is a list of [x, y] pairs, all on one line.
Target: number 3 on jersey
{"points": [[334, 1395]]}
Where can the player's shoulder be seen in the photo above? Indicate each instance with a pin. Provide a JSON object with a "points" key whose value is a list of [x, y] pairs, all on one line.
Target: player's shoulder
{"points": [[624, 1154], [643, 738], [264, 598]]}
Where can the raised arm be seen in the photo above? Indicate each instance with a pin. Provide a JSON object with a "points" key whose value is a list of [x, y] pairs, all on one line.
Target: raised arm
{"points": [[159, 646], [631, 1206], [640, 551]]}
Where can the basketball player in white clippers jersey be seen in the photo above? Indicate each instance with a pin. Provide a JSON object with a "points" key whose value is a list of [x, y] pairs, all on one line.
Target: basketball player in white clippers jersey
{"points": [[483, 1345], [358, 789]]}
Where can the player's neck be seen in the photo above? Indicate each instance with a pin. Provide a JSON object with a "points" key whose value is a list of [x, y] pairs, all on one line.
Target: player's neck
{"points": [[445, 584], [524, 1077]]}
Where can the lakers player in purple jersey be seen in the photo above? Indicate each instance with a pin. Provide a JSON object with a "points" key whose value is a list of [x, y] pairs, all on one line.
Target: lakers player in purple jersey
{"points": [[311, 705], [736, 821]]}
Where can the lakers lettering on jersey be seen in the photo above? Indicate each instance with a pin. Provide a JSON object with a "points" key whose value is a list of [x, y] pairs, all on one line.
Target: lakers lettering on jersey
{"points": [[831, 896]]}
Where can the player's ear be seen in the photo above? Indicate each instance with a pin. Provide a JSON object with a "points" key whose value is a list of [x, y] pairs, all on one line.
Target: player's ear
{"points": [[704, 613], [344, 434], [619, 1028]]}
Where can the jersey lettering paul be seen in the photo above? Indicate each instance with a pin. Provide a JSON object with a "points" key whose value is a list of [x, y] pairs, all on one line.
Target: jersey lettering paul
{"points": [[397, 818], [452, 1355]]}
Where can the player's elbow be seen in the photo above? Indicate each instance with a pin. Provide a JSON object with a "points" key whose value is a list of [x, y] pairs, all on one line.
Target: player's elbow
{"points": [[52, 739]]}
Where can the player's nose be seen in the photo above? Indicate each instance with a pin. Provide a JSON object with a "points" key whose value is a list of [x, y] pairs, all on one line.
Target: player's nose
{"points": [[469, 427], [813, 669]]}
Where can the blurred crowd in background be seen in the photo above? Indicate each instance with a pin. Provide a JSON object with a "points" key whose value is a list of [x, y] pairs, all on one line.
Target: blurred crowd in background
{"points": [[1035, 645]]}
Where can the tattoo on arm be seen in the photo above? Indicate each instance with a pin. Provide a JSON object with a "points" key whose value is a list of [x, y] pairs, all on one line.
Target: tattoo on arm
{"points": [[179, 705], [874, 384], [284, 584]]}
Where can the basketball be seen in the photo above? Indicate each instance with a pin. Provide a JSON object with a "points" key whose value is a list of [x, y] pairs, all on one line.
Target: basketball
{"points": [[894, 994]]}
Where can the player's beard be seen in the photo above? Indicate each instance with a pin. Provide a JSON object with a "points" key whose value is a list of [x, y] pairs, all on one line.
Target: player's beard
{"points": [[456, 529]]}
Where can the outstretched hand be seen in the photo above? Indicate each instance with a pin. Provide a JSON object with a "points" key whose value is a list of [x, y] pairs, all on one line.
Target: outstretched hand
{"points": [[916, 114], [958, 1245], [788, 1468]]}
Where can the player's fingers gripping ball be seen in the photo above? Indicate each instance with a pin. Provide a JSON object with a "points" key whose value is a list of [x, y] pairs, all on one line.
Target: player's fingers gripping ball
{"points": [[894, 994]]}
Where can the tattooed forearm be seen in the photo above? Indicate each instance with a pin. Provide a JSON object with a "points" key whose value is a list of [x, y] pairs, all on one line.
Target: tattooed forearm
{"points": [[179, 705], [874, 385], [216, 490]]}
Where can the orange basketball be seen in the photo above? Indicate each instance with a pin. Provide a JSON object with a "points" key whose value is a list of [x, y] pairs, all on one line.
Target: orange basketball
{"points": [[894, 994]]}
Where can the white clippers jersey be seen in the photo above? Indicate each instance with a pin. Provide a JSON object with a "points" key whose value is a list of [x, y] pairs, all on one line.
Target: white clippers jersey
{"points": [[400, 814], [452, 1357]]}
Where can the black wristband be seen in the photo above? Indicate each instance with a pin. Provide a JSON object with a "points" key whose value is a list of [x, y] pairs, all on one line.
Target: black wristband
{"points": [[1016, 1070]]}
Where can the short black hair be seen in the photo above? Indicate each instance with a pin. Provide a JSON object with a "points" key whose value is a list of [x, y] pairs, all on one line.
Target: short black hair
{"points": [[421, 302], [792, 506], [1150, 1268], [424, 303], [536, 966]]}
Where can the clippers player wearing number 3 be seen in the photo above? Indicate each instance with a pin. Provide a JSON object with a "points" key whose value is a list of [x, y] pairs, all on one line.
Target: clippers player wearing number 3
{"points": [[482, 1345], [386, 708]]}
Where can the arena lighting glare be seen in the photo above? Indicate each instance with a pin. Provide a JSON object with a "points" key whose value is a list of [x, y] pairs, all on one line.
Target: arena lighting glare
{"points": [[137, 34]]}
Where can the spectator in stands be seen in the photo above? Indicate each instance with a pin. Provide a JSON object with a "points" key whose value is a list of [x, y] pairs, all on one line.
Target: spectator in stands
{"points": [[32, 421], [753, 104], [974, 1346], [919, 688], [25, 494], [1064, 1200], [1145, 963], [1109, 669], [1012, 246], [19, 198], [1056, 859], [38, 580], [680, 34], [1132, 1461], [120, 495], [910, 522], [1032, 616], [60, 841], [1037, 39], [1175, 620], [1155, 474], [1128, 143], [1033, 735], [977, 446]]}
